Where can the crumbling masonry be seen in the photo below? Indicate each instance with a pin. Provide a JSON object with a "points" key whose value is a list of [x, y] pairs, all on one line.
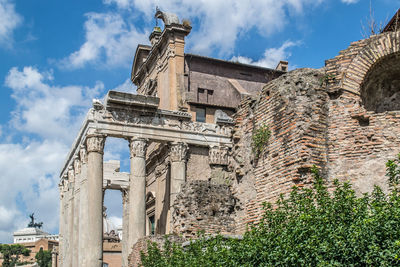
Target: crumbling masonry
{"points": [[192, 164]]}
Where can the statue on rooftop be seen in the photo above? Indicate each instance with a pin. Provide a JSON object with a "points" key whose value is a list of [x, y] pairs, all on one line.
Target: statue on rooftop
{"points": [[167, 18], [32, 222]]}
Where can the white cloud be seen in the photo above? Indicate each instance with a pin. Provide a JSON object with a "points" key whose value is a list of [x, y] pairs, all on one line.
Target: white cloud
{"points": [[9, 20], [349, 1], [222, 22], [109, 40], [46, 110], [271, 56], [30, 168]]}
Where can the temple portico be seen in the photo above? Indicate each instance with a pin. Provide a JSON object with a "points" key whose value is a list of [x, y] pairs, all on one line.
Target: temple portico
{"points": [[137, 119]]}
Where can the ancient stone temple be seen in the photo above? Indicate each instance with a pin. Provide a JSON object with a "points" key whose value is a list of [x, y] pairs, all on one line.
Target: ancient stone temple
{"points": [[190, 128]]}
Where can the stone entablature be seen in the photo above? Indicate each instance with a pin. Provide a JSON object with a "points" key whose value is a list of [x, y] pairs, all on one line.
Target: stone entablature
{"points": [[125, 115]]}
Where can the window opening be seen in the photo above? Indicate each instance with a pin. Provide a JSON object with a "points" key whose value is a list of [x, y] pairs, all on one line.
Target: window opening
{"points": [[200, 114]]}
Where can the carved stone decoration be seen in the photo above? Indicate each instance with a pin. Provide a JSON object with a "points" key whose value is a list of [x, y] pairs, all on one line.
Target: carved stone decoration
{"points": [[77, 165], [71, 174], [83, 154], [95, 144], [178, 151], [125, 196], [138, 147], [218, 155]]}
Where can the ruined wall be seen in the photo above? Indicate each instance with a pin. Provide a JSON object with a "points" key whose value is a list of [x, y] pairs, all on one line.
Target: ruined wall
{"points": [[294, 108], [344, 118], [364, 111], [207, 206], [142, 245]]}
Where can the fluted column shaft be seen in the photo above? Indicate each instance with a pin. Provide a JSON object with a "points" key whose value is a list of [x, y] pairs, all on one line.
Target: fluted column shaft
{"points": [[94, 241], [137, 191], [71, 186]]}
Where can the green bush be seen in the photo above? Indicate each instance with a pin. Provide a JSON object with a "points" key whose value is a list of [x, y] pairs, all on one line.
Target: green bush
{"points": [[311, 227], [260, 139]]}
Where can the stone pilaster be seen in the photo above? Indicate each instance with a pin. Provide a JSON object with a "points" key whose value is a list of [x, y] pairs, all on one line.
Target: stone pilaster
{"points": [[218, 155], [94, 236], [125, 227], [178, 155], [137, 191]]}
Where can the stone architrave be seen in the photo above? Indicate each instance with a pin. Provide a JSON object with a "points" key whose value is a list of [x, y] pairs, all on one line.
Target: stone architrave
{"points": [[178, 155], [137, 191], [218, 155], [94, 236], [125, 227]]}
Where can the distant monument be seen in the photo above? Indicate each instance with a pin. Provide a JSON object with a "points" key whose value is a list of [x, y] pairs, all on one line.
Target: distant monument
{"points": [[32, 223]]}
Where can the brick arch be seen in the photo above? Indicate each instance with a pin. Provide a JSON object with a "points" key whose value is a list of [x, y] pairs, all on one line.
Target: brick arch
{"points": [[378, 48]]}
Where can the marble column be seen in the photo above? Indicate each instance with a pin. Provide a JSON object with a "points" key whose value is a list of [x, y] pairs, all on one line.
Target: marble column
{"points": [[83, 206], [125, 227], [178, 153], [71, 185], [94, 236], [65, 222], [61, 220], [54, 257], [76, 233], [137, 191]]}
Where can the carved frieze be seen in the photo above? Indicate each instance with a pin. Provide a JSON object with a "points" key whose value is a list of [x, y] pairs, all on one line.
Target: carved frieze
{"points": [[138, 147], [218, 155], [178, 151], [95, 144]]}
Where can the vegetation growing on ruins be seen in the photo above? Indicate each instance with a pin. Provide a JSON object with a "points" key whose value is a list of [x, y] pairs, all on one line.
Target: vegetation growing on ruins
{"points": [[260, 139], [311, 227]]}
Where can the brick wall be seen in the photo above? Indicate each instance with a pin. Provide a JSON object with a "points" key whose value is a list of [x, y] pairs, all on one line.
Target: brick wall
{"points": [[320, 117]]}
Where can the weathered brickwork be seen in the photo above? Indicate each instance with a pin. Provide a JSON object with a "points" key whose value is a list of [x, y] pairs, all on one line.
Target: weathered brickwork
{"points": [[294, 108], [344, 118], [205, 206], [363, 133]]}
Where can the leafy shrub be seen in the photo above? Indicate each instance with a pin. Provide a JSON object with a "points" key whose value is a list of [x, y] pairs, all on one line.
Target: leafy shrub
{"points": [[260, 139], [311, 227]]}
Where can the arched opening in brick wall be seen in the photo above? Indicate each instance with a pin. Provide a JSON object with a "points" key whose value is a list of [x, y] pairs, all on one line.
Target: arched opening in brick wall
{"points": [[380, 90]]}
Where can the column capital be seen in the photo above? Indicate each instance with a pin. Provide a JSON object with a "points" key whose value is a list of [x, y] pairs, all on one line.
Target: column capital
{"points": [[138, 147], [95, 143], [218, 155], [178, 151]]}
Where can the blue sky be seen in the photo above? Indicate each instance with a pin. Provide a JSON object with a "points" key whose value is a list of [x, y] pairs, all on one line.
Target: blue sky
{"points": [[56, 56]]}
